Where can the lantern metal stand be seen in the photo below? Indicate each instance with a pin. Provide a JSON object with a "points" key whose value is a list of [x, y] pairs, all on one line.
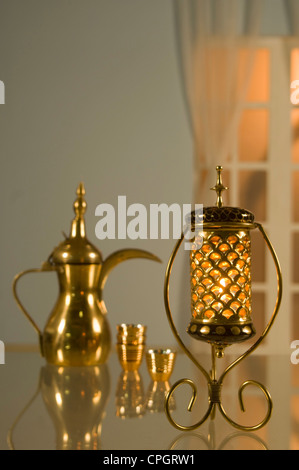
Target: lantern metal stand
{"points": [[220, 299]]}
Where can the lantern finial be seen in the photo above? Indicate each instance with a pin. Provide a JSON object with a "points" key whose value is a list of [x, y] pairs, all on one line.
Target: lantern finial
{"points": [[219, 187]]}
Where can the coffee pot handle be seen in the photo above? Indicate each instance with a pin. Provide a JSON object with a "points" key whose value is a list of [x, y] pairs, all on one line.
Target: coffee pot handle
{"points": [[45, 267]]}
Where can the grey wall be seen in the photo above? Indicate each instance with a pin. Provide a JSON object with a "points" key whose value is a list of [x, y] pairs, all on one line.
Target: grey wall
{"points": [[93, 95]]}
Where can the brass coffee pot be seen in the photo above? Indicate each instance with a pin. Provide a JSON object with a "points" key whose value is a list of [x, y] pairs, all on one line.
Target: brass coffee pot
{"points": [[77, 332]]}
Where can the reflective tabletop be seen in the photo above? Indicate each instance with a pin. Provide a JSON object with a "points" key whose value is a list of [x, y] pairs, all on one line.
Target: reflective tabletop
{"points": [[103, 407]]}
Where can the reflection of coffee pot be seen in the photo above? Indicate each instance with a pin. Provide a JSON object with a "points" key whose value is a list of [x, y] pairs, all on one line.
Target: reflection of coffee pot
{"points": [[77, 332], [76, 399]]}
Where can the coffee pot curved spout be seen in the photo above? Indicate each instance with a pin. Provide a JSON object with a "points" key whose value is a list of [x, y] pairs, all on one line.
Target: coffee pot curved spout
{"points": [[119, 257]]}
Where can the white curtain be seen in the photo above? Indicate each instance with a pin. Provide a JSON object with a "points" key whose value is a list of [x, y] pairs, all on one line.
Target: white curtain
{"points": [[292, 11], [216, 48]]}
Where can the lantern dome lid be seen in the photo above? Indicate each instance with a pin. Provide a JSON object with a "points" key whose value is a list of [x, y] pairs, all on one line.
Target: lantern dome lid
{"points": [[219, 215], [215, 215]]}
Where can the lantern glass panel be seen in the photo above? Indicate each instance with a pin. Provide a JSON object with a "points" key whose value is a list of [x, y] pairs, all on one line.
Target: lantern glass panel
{"points": [[221, 285]]}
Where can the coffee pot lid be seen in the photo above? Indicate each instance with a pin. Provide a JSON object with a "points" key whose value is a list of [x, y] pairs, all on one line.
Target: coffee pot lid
{"points": [[76, 249]]}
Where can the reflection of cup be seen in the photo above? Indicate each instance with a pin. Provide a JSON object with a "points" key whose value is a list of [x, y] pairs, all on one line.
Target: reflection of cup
{"points": [[160, 363], [130, 343], [130, 401], [155, 398]]}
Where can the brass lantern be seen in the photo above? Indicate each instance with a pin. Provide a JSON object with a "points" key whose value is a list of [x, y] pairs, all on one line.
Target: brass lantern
{"points": [[220, 274]]}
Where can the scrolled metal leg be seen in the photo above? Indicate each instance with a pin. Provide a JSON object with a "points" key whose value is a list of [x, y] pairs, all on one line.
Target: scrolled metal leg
{"points": [[240, 395], [190, 406]]}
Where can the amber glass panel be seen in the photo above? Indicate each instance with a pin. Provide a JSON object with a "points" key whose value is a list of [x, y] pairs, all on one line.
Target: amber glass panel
{"points": [[258, 89], [220, 277], [253, 135], [295, 251], [295, 134], [252, 192], [294, 72]]}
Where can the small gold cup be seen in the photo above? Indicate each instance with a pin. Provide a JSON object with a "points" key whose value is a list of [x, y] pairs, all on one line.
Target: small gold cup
{"points": [[130, 356], [130, 344], [160, 363]]}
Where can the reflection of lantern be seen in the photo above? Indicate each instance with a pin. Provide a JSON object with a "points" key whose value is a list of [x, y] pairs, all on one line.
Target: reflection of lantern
{"points": [[220, 270]]}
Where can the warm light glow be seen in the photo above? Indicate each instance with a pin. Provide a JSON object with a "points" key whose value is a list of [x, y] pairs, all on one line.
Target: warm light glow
{"points": [[96, 398], [96, 325], [58, 399], [61, 326], [227, 314], [90, 300], [224, 281], [60, 355], [226, 298], [294, 72], [98, 352], [259, 83], [220, 278], [216, 290], [253, 135]]}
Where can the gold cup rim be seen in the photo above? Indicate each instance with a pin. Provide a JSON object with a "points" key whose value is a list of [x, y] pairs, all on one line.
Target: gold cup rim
{"points": [[129, 327], [160, 351]]}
